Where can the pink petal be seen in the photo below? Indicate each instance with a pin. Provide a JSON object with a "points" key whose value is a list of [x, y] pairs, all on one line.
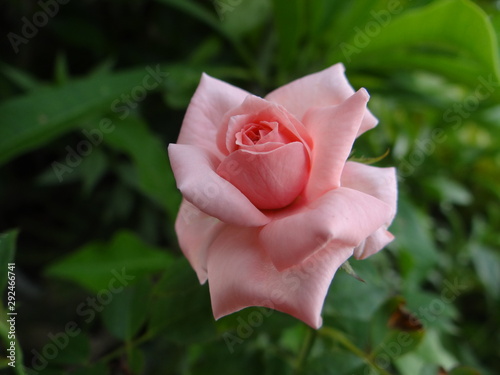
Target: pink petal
{"points": [[333, 130], [254, 110], [382, 184], [212, 99], [194, 171], [374, 243], [323, 89], [260, 134], [342, 217], [196, 231], [241, 274], [271, 179]]}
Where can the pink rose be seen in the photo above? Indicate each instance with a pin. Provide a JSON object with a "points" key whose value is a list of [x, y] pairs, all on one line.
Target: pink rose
{"points": [[272, 208]]}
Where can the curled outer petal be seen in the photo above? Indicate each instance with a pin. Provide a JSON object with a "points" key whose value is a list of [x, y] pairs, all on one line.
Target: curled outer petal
{"points": [[322, 89], [241, 274], [194, 171]]}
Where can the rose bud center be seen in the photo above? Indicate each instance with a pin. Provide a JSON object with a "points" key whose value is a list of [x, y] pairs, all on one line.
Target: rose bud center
{"points": [[270, 165]]}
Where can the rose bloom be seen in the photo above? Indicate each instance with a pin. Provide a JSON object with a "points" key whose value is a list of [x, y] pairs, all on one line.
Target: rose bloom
{"points": [[271, 207]]}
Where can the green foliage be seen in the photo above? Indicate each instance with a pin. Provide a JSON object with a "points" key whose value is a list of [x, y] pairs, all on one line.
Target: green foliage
{"points": [[86, 180], [181, 311], [125, 314], [94, 265], [150, 161], [287, 15], [47, 113], [417, 252], [443, 46]]}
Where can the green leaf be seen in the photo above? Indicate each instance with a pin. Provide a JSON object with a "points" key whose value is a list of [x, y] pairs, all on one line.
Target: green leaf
{"points": [[487, 264], [181, 308], [347, 297], [132, 136], [125, 314], [397, 344], [448, 190], [20, 78], [121, 203], [196, 11], [340, 19], [213, 358], [292, 338], [7, 251], [433, 351], [414, 242], [430, 351], [435, 310], [181, 86], [104, 68], [30, 121], [453, 38], [241, 330], [338, 362], [242, 16], [136, 359], [411, 364], [93, 168], [125, 259], [99, 368], [339, 337], [346, 266], [76, 348], [288, 20], [184, 79], [209, 18], [372, 160], [61, 69]]}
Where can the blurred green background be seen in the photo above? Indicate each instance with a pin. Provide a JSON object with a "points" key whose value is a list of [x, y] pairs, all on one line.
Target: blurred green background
{"points": [[93, 91]]}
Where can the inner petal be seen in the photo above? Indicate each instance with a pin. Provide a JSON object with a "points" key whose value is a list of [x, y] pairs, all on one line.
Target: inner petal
{"points": [[262, 132], [270, 180], [269, 121], [252, 133]]}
